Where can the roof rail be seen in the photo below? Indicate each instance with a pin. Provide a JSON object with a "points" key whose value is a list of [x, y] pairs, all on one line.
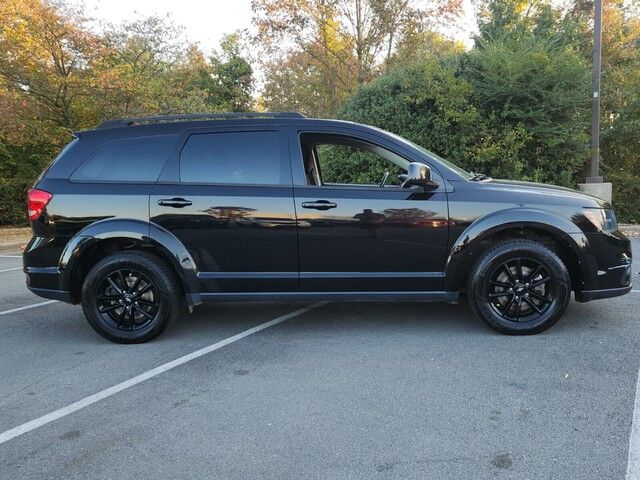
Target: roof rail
{"points": [[126, 122]]}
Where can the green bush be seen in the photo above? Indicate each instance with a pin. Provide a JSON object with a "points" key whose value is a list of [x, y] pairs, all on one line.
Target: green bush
{"points": [[626, 196], [543, 89], [13, 202], [19, 167], [509, 109], [621, 159], [432, 105], [344, 164]]}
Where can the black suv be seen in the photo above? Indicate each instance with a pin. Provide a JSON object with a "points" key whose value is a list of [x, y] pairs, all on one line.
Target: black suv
{"points": [[139, 217]]}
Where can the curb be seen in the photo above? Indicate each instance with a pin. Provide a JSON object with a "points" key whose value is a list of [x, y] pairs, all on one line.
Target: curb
{"points": [[630, 230], [12, 247]]}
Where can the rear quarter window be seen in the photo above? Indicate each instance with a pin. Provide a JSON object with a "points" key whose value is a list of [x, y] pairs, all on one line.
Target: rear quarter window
{"points": [[64, 152], [242, 158], [138, 159]]}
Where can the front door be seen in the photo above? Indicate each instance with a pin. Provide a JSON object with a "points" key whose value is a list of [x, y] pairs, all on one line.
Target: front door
{"points": [[358, 230], [227, 197]]}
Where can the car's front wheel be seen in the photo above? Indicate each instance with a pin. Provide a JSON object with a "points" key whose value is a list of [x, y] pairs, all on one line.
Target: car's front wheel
{"points": [[130, 297], [519, 287]]}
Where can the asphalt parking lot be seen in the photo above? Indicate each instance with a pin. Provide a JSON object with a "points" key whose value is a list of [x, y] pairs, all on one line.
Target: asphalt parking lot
{"points": [[338, 391]]}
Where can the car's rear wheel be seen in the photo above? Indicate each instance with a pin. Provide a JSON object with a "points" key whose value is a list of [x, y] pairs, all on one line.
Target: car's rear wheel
{"points": [[130, 297], [519, 287]]}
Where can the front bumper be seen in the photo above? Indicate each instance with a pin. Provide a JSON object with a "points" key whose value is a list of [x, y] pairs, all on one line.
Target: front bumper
{"points": [[588, 295], [606, 265]]}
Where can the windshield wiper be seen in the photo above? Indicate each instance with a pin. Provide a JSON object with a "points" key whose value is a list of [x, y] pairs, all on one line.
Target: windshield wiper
{"points": [[477, 177]]}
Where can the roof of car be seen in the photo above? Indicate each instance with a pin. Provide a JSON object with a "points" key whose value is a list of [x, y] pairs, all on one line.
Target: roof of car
{"points": [[172, 124], [198, 117], [137, 127]]}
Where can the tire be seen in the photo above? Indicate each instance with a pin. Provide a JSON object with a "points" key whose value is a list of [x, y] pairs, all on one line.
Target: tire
{"points": [[131, 297], [519, 287]]}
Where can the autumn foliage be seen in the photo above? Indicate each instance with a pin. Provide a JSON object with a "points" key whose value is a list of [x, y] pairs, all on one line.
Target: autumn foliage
{"points": [[516, 104], [57, 76]]}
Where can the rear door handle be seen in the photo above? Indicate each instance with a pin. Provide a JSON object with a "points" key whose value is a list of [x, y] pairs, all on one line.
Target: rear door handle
{"points": [[174, 202], [319, 205]]}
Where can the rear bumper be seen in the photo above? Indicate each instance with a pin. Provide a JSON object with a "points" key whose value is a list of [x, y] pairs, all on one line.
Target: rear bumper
{"points": [[46, 283], [45, 280], [60, 295]]}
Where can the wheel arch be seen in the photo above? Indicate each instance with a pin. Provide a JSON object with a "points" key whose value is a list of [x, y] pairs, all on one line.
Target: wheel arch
{"points": [[547, 228], [102, 238]]}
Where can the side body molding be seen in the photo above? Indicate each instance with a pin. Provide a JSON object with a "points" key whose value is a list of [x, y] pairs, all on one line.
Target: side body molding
{"points": [[461, 255], [143, 233]]}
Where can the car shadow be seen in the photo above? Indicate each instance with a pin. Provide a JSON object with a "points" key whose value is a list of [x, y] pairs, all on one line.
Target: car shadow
{"points": [[407, 316]]}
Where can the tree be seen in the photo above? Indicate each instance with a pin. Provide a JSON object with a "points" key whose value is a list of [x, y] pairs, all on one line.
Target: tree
{"points": [[148, 67], [515, 106], [229, 81], [370, 28], [44, 54], [57, 76], [568, 30], [432, 105], [543, 89], [141, 67], [621, 108], [299, 82], [419, 46], [341, 43]]}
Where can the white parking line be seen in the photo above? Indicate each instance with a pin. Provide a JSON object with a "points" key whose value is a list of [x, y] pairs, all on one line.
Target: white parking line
{"points": [[633, 466], [10, 256], [96, 397], [41, 304], [10, 269]]}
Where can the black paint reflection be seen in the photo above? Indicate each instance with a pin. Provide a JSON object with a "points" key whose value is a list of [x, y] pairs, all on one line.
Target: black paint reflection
{"points": [[386, 231], [232, 233]]}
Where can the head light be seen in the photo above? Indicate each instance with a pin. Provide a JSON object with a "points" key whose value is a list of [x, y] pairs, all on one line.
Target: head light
{"points": [[603, 219]]}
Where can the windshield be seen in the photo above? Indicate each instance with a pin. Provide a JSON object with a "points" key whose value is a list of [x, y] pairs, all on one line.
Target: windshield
{"points": [[460, 171]]}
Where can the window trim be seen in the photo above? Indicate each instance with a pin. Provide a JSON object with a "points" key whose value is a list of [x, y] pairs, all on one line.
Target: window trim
{"points": [[357, 144], [364, 137]]}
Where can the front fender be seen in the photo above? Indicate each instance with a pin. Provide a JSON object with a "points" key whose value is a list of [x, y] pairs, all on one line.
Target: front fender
{"points": [[462, 254], [142, 233]]}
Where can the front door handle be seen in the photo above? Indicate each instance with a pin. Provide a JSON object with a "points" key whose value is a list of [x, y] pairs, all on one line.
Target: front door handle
{"points": [[319, 205], [174, 202]]}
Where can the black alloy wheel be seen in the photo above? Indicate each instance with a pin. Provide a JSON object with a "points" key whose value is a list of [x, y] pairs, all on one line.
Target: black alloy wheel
{"points": [[519, 287], [131, 297]]}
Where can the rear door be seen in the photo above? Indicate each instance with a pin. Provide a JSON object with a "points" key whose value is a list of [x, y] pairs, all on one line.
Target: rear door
{"points": [[228, 197]]}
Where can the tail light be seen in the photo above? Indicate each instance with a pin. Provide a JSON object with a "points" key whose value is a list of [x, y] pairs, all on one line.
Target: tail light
{"points": [[37, 200]]}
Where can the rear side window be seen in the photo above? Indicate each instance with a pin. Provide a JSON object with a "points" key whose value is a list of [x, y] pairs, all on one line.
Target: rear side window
{"points": [[66, 150], [246, 158], [137, 159]]}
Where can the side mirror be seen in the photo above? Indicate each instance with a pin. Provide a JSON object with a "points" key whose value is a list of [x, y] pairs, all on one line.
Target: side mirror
{"points": [[419, 174]]}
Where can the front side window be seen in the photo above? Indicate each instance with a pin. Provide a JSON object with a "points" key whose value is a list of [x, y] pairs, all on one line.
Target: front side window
{"points": [[137, 159], [340, 160], [245, 158]]}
